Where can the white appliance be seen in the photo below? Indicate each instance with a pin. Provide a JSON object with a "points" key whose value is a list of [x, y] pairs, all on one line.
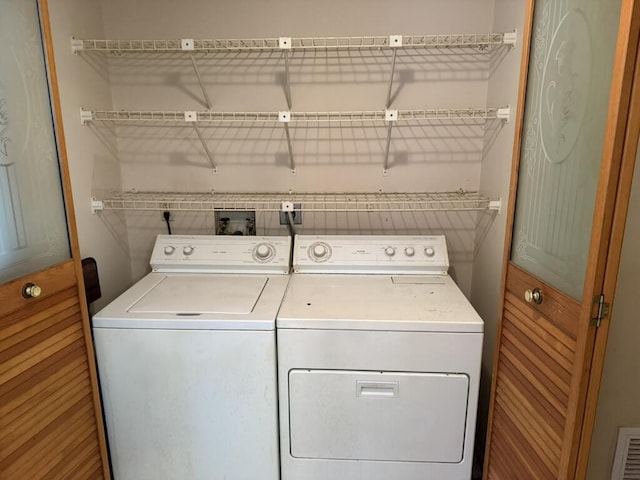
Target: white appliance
{"points": [[187, 361], [379, 357]]}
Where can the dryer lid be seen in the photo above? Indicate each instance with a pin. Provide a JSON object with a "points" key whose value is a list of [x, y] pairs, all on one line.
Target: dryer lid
{"points": [[201, 295]]}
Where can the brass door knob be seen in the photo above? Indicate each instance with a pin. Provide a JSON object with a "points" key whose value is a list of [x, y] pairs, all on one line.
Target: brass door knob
{"points": [[30, 290], [533, 296]]}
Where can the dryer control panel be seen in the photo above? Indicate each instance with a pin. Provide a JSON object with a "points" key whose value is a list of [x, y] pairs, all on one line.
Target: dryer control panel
{"points": [[221, 254], [371, 254]]}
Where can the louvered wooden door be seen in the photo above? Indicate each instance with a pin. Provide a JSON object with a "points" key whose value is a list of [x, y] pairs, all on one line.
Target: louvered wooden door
{"points": [[575, 96], [50, 416]]}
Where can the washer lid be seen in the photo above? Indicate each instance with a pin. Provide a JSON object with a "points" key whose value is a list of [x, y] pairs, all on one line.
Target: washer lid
{"points": [[202, 294], [183, 301]]}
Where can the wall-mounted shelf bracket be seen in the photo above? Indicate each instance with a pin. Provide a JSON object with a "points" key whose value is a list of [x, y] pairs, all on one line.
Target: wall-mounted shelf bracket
{"points": [[191, 116], [496, 206], [96, 205], [284, 117], [504, 113], [76, 45], [85, 116], [390, 116], [510, 38]]}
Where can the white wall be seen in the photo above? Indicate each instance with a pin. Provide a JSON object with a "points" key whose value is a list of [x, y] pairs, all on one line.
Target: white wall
{"points": [[620, 390], [93, 162], [494, 182], [327, 159]]}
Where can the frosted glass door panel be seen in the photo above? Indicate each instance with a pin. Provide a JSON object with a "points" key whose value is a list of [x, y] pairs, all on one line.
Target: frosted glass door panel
{"points": [[33, 228], [570, 72]]}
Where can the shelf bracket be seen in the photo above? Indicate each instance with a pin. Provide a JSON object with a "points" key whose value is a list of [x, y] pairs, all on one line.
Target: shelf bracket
{"points": [[390, 116], [76, 45], [284, 118], [96, 206], [496, 206], [504, 113], [394, 41], [204, 90], [192, 117], [86, 116], [510, 38], [285, 45]]}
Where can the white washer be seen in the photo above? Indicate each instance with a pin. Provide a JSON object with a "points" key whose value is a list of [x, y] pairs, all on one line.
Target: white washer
{"points": [[187, 361], [379, 358]]}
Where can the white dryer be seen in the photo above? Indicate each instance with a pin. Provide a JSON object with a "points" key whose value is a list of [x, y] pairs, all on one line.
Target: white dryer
{"points": [[379, 357], [187, 361]]}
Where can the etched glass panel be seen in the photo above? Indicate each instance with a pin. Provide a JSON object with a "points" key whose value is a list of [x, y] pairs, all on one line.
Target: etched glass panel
{"points": [[33, 228], [570, 71]]}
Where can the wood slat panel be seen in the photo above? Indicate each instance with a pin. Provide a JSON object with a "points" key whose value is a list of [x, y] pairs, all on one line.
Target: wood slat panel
{"points": [[529, 431], [555, 419], [85, 461], [525, 461], [52, 440], [534, 377], [532, 350]]}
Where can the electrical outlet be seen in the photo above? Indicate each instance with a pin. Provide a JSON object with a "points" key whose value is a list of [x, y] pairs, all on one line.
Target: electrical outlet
{"points": [[296, 213]]}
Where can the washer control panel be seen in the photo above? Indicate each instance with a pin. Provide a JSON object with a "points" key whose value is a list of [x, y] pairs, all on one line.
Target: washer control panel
{"points": [[371, 254], [221, 253]]}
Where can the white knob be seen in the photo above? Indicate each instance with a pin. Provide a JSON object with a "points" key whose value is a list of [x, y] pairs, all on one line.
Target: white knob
{"points": [[188, 250], [319, 251], [390, 251], [168, 250], [429, 252], [409, 251], [263, 250]]}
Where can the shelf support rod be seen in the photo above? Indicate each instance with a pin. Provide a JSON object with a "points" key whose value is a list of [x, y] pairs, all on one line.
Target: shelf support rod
{"points": [[287, 83], [285, 118], [284, 43], [393, 69], [204, 90], [395, 41], [390, 116], [206, 147]]}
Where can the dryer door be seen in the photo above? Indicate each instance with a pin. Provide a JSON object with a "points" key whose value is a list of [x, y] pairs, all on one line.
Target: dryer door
{"points": [[388, 416]]}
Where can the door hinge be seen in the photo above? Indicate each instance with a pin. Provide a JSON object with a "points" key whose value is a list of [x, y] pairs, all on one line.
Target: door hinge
{"points": [[600, 310]]}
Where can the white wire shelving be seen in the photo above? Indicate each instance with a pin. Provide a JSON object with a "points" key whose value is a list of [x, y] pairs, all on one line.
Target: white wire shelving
{"points": [[482, 42], [457, 201]]}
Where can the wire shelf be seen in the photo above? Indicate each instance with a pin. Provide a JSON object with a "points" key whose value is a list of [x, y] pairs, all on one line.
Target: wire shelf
{"points": [[156, 116], [311, 202], [483, 42]]}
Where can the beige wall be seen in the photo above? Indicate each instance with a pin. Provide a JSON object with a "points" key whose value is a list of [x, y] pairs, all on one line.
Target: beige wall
{"points": [[328, 159], [619, 401], [93, 162]]}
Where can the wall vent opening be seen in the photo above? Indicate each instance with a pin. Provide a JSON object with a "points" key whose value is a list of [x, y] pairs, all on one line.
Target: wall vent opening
{"points": [[626, 464]]}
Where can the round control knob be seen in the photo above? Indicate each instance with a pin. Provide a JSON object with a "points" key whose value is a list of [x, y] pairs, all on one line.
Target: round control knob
{"points": [[319, 250], [188, 250], [30, 290], [429, 252], [389, 251], [263, 251], [409, 251], [168, 250]]}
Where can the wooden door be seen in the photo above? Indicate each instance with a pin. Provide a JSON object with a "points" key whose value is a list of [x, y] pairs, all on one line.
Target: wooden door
{"points": [[50, 416], [565, 181]]}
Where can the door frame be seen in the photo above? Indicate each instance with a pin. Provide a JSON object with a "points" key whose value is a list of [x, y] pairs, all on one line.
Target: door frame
{"points": [[612, 199], [65, 178]]}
